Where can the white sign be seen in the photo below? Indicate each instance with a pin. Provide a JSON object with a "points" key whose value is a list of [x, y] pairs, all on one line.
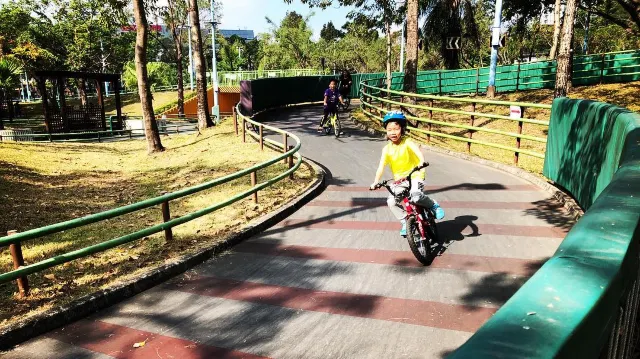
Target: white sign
{"points": [[515, 112], [495, 36]]}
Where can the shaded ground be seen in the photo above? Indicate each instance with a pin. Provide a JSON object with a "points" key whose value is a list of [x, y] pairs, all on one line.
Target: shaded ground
{"points": [[42, 184]]}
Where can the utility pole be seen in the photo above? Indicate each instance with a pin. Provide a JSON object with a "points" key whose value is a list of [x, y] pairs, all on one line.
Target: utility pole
{"points": [[214, 68], [404, 23], [495, 44], [190, 54]]}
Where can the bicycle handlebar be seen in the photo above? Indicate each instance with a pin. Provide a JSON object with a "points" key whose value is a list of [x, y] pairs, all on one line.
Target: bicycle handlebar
{"points": [[408, 178]]}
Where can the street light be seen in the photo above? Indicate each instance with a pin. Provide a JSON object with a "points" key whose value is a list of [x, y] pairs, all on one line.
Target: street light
{"points": [[495, 44], [399, 4], [214, 70], [190, 54]]}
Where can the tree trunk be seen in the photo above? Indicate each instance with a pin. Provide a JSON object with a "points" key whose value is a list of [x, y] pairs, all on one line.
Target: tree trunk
{"points": [[204, 120], [565, 54], [177, 37], [557, 27], [387, 30], [411, 64], [150, 125]]}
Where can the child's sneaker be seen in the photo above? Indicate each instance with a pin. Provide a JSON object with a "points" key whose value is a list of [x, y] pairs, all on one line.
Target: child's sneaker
{"points": [[403, 231], [439, 212]]}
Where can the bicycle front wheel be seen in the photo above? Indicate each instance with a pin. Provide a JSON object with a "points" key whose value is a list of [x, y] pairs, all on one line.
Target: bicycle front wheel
{"points": [[337, 127], [420, 249]]}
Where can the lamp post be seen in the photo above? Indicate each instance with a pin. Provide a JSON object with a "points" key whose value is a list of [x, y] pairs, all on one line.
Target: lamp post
{"points": [[495, 44], [214, 68], [190, 54], [28, 89]]}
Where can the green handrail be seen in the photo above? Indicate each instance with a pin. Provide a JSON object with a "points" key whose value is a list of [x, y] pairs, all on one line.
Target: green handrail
{"points": [[368, 96], [74, 223], [466, 127], [459, 112], [456, 99]]}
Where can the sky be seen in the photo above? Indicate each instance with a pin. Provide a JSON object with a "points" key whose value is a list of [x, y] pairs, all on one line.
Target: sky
{"points": [[250, 14]]}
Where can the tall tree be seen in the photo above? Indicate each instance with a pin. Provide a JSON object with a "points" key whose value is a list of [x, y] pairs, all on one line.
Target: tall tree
{"points": [[565, 55], [150, 125], [330, 33], [411, 64], [624, 13], [204, 120], [557, 27], [384, 10], [174, 17]]}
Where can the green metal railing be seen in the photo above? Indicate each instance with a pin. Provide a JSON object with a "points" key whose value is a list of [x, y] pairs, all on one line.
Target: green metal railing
{"points": [[226, 78], [14, 241], [622, 66], [387, 99]]}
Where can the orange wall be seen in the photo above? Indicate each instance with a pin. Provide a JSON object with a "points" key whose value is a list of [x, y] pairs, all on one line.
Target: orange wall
{"points": [[226, 100]]}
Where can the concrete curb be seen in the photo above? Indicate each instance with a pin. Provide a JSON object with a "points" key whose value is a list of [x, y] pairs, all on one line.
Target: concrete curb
{"points": [[92, 303], [572, 207]]}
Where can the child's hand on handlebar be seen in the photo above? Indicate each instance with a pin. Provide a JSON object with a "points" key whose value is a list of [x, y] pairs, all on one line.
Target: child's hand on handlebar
{"points": [[374, 186]]}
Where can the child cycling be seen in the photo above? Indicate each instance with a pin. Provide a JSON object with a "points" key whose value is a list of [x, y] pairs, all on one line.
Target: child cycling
{"points": [[331, 97], [403, 155], [345, 83]]}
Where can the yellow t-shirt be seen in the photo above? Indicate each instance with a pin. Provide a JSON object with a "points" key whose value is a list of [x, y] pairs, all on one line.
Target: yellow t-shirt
{"points": [[401, 159]]}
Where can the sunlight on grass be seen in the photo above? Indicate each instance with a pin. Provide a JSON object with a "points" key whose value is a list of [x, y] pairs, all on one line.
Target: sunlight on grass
{"points": [[46, 183]]}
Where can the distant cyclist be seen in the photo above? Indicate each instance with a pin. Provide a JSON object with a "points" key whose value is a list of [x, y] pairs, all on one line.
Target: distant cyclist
{"points": [[331, 98], [345, 83]]}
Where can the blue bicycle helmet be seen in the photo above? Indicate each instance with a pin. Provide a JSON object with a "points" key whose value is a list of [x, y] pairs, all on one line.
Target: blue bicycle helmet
{"points": [[395, 116]]}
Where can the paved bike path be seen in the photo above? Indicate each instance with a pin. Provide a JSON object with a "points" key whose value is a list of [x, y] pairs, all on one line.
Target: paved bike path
{"points": [[335, 280]]}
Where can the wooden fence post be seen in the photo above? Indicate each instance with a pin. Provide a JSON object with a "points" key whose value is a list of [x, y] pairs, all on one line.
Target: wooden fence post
{"points": [[244, 130], [284, 145], [18, 261], [473, 117], [254, 182], [166, 217], [261, 138], [235, 120]]}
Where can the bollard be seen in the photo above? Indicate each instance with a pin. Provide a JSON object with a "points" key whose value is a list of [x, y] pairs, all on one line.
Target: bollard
{"points": [[18, 261], [254, 182]]}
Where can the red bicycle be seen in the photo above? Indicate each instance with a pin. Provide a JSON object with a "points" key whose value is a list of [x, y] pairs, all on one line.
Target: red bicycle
{"points": [[422, 232]]}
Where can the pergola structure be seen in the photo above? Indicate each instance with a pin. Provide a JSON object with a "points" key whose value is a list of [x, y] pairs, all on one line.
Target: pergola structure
{"points": [[65, 119]]}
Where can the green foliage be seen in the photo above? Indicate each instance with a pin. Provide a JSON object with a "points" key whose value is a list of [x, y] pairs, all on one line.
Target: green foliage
{"points": [[330, 33], [288, 45], [160, 74], [10, 70]]}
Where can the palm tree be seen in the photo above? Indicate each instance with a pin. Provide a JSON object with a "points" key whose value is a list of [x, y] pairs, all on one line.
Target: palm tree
{"points": [[10, 70], [448, 18]]}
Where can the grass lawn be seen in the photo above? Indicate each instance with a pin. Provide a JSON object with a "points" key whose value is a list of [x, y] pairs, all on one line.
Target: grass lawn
{"points": [[624, 95], [46, 183]]}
